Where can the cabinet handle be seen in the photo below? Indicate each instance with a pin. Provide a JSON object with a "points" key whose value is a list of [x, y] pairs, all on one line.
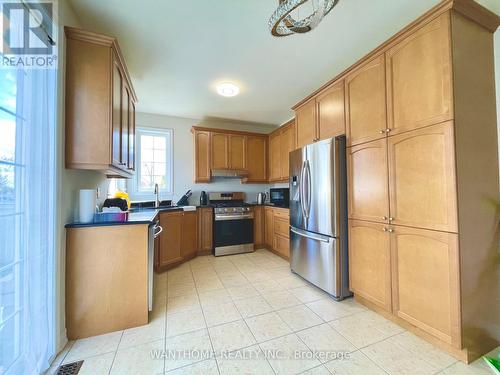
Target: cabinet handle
{"points": [[382, 131], [391, 219], [388, 130], [390, 230], [384, 229], [384, 217]]}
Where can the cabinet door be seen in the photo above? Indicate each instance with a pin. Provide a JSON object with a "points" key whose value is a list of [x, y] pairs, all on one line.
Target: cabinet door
{"points": [[287, 144], [125, 127], [368, 193], [256, 159], [419, 78], [258, 225], [170, 239], [422, 183], [117, 116], [366, 102], [189, 238], [426, 281], [305, 122], [131, 135], [201, 156], [331, 112], [269, 222], [370, 262], [205, 229], [220, 151], [274, 156], [282, 245], [237, 151]]}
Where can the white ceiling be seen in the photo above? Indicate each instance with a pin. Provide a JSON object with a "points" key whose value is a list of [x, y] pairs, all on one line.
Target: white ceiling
{"points": [[177, 50]]}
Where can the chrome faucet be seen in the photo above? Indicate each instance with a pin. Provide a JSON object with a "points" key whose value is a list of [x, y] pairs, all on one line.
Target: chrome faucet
{"points": [[157, 195]]}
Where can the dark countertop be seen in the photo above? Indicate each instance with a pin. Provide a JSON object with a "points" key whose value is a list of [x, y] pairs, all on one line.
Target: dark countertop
{"points": [[133, 217], [137, 216]]}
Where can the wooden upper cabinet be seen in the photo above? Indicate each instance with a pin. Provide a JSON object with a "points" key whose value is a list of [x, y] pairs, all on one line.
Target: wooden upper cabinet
{"points": [[237, 151], [365, 88], [124, 157], [368, 195], [422, 182], [131, 135], [287, 144], [419, 76], [220, 150], [117, 113], [201, 156], [305, 123], [331, 111], [274, 156], [189, 237], [100, 99], [370, 262], [256, 159], [426, 281]]}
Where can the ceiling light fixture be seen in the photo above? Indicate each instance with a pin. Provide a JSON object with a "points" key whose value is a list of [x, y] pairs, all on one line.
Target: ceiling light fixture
{"points": [[228, 89], [283, 21]]}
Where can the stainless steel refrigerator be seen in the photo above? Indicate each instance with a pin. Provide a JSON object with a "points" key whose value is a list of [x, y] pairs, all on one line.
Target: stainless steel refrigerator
{"points": [[318, 215]]}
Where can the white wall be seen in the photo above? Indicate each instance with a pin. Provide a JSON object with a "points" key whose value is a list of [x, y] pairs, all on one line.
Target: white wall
{"points": [[69, 181], [183, 152]]}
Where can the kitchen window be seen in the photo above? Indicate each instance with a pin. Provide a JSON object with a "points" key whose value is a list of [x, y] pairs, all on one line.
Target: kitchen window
{"points": [[154, 162]]}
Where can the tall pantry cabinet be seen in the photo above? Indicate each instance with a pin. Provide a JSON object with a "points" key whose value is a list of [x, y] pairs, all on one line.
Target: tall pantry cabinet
{"points": [[422, 178], [418, 187]]}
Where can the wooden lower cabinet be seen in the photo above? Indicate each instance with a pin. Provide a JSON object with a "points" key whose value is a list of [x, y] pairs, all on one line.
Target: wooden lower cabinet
{"points": [[269, 227], [370, 262], [179, 240], [189, 235], [426, 288], [258, 227], [205, 230], [413, 273], [170, 239], [277, 223]]}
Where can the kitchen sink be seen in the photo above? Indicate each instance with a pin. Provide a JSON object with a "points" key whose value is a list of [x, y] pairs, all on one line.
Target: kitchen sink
{"points": [[150, 205]]}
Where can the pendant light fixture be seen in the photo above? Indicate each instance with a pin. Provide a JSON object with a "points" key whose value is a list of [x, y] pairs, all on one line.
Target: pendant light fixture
{"points": [[286, 18]]}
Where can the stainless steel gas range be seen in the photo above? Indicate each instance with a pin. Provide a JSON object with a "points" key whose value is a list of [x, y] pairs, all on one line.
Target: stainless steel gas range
{"points": [[233, 223]]}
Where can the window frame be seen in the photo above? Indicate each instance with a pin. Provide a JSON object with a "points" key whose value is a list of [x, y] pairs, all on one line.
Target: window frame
{"points": [[167, 192]]}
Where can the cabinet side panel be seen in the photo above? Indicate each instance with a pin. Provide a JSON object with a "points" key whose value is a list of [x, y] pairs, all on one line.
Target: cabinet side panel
{"points": [[477, 178], [88, 93]]}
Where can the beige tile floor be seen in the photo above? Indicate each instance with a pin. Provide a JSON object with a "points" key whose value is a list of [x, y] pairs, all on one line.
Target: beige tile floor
{"points": [[243, 307]]}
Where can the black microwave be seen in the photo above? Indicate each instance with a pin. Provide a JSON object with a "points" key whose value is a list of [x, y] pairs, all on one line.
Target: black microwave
{"points": [[279, 197]]}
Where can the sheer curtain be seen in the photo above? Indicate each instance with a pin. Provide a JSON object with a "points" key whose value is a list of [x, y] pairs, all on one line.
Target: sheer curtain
{"points": [[27, 222]]}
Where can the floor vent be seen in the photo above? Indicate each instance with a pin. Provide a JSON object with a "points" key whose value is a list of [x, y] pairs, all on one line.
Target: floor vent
{"points": [[69, 368]]}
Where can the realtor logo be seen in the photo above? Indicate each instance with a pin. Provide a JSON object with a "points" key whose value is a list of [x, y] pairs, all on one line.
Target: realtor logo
{"points": [[28, 34]]}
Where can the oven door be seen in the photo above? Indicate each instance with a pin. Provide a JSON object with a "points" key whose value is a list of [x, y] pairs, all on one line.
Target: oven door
{"points": [[233, 234]]}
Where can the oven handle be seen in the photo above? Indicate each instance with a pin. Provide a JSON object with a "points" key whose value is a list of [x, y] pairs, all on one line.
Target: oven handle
{"points": [[233, 217]]}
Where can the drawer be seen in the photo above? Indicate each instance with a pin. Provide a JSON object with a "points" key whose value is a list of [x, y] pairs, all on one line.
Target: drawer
{"points": [[281, 227], [282, 245], [282, 213]]}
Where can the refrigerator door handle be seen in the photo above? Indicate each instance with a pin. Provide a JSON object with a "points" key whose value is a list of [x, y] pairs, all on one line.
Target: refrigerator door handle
{"points": [[301, 189], [308, 198], [312, 236]]}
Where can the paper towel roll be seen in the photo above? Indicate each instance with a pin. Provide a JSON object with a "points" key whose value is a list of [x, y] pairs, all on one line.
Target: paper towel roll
{"points": [[88, 202]]}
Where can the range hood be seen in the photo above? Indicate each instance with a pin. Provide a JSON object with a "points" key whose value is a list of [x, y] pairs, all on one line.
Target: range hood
{"points": [[229, 173]]}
